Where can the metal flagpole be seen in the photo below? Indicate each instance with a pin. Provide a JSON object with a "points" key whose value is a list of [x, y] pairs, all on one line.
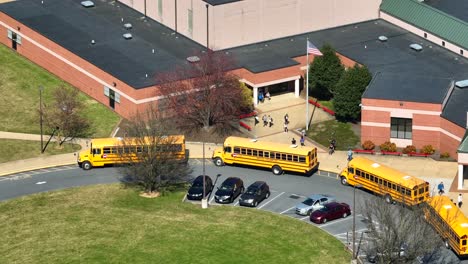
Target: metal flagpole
{"points": [[307, 86]]}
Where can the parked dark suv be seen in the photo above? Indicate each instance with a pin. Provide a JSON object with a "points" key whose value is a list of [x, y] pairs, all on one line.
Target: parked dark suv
{"points": [[255, 193], [196, 190], [229, 190]]}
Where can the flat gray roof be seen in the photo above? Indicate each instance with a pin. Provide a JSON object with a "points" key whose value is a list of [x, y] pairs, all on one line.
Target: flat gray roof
{"points": [[220, 2], [456, 8], [403, 87], [403, 74], [73, 26]]}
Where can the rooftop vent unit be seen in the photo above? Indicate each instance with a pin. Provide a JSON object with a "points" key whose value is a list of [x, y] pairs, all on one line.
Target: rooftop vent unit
{"points": [[416, 47], [193, 59], [128, 26], [462, 84], [127, 36], [383, 38], [87, 4]]}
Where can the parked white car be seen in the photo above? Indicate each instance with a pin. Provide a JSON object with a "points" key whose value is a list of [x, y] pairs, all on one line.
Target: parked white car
{"points": [[313, 202]]}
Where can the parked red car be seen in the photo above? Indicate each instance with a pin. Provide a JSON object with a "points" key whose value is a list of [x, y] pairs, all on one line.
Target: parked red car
{"points": [[329, 212]]}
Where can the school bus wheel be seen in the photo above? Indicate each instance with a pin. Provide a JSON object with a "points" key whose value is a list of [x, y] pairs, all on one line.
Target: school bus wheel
{"points": [[344, 181], [218, 162], [277, 170], [87, 165]]}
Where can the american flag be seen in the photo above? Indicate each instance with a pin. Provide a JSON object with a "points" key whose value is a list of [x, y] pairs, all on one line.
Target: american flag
{"points": [[311, 49]]}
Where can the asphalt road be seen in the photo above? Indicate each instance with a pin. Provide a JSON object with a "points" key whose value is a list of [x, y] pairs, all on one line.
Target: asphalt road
{"points": [[286, 191]]}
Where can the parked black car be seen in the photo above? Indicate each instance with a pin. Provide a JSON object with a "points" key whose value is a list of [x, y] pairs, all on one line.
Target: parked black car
{"points": [[196, 190], [255, 193], [229, 190]]}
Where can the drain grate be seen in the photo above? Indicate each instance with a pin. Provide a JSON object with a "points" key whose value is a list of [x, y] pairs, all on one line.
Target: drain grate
{"points": [[293, 196]]}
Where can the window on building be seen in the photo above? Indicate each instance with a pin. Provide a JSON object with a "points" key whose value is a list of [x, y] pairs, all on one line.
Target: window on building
{"points": [[425, 35], [160, 9], [401, 128], [190, 22]]}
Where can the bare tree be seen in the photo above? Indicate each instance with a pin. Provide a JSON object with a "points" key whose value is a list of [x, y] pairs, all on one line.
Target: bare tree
{"points": [[65, 115], [204, 94], [398, 234], [153, 165]]}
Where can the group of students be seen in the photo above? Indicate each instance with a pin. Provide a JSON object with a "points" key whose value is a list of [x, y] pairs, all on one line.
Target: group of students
{"points": [[441, 189], [261, 96]]}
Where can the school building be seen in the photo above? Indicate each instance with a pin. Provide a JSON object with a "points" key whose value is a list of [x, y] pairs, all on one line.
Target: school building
{"points": [[113, 51]]}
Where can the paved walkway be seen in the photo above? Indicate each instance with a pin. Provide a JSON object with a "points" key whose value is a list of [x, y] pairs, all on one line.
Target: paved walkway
{"points": [[426, 168]]}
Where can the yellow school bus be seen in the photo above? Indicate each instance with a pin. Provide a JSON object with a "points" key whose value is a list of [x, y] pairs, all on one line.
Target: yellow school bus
{"points": [[394, 185], [109, 151], [275, 156], [449, 222]]}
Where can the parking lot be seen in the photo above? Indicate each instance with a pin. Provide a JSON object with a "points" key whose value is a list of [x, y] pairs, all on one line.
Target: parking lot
{"points": [[288, 190]]}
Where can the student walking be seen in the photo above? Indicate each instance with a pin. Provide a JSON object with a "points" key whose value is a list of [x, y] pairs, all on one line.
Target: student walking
{"points": [[268, 96], [331, 149], [440, 187], [286, 118], [302, 141], [270, 121], [286, 127], [256, 120], [265, 120], [350, 154], [460, 200], [293, 141]]}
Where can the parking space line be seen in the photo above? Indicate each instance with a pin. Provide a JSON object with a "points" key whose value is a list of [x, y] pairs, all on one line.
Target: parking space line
{"points": [[270, 200], [288, 210], [304, 218], [236, 203], [211, 200], [336, 221]]}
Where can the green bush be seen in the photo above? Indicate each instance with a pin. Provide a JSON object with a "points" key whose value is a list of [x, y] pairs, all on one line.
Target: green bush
{"points": [[427, 149], [368, 145], [445, 155], [409, 149], [388, 146]]}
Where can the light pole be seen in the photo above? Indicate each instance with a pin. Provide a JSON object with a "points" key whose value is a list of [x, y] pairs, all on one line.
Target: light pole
{"points": [[204, 200], [40, 117], [354, 221]]}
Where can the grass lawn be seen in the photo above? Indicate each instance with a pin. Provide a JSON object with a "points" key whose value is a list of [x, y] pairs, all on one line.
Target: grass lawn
{"points": [[111, 224], [13, 149], [328, 104], [19, 103], [323, 132]]}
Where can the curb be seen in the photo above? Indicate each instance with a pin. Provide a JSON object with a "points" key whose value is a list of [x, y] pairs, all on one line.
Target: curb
{"points": [[2, 174]]}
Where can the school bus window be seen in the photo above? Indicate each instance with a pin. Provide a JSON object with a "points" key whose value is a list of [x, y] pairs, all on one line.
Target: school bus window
{"points": [[243, 151], [380, 181], [237, 150], [227, 149], [295, 158], [139, 149], [351, 170], [398, 188], [371, 177], [385, 183], [277, 155], [255, 152], [302, 159], [464, 242], [106, 150], [266, 154], [358, 172], [289, 157], [249, 152], [96, 151], [427, 188], [408, 192], [260, 153]]}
